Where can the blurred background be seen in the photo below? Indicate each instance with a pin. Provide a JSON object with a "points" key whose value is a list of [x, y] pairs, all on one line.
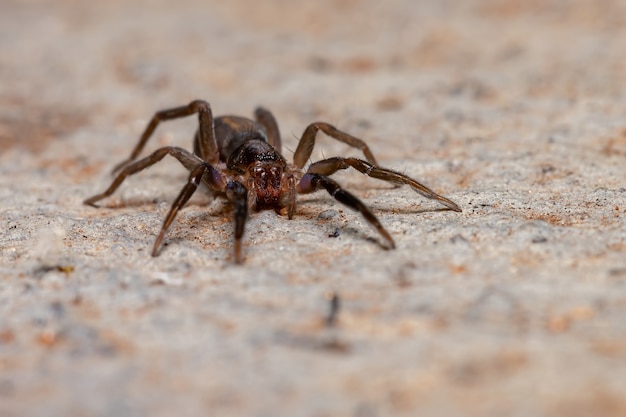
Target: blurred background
{"points": [[71, 63]]}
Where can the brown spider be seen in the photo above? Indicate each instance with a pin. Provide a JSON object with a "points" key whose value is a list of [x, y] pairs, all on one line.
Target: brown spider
{"points": [[241, 159]]}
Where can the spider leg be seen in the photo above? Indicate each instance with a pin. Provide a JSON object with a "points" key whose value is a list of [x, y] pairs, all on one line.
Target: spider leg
{"points": [[307, 142], [189, 161], [268, 121], [206, 145], [331, 165], [291, 196], [311, 182], [236, 192], [195, 178]]}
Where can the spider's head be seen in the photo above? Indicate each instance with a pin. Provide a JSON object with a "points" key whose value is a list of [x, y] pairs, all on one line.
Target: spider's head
{"points": [[267, 179]]}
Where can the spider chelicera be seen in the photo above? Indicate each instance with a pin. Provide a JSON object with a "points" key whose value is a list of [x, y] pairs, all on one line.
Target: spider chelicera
{"points": [[241, 159]]}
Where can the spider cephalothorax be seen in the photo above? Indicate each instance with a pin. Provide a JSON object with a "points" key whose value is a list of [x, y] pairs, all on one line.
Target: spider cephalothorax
{"points": [[264, 172], [241, 159]]}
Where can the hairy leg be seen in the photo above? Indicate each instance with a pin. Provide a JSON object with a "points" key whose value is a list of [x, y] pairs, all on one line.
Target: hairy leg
{"points": [[307, 142], [238, 195], [313, 182], [196, 176], [331, 165], [206, 143], [268, 121], [189, 161]]}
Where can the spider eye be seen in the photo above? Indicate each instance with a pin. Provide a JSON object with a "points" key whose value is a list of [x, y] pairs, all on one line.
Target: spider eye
{"points": [[275, 171]]}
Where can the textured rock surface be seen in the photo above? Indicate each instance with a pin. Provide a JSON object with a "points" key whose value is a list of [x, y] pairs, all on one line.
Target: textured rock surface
{"points": [[513, 109]]}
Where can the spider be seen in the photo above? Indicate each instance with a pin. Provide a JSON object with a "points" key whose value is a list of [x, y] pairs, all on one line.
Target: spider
{"points": [[240, 159]]}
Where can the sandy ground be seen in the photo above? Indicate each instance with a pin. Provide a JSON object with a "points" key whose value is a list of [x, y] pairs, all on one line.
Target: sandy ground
{"points": [[516, 306]]}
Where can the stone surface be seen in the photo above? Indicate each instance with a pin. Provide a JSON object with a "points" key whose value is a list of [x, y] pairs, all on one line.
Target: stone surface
{"points": [[513, 109]]}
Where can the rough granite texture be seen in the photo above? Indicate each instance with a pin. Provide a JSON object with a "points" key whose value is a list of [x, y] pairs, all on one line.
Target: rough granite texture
{"points": [[516, 110]]}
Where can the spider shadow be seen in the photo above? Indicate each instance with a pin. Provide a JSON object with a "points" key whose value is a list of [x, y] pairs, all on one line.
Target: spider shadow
{"points": [[336, 226], [201, 200], [407, 211], [212, 210], [323, 200]]}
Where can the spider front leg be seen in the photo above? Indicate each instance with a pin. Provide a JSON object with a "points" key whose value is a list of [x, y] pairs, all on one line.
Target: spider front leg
{"points": [[189, 161], [331, 165], [312, 182], [238, 195], [202, 173], [205, 138], [307, 142]]}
